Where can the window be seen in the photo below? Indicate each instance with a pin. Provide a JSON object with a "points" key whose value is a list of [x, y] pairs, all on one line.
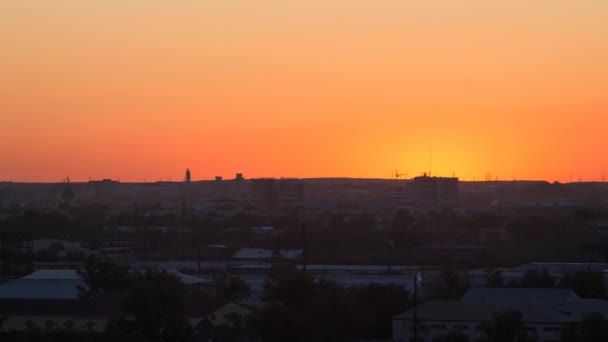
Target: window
{"points": [[532, 329], [421, 327], [30, 324], [68, 325], [461, 327], [551, 329]]}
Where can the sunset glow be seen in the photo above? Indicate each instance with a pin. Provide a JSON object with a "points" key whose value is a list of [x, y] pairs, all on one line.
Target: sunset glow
{"points": [[143, 89]]}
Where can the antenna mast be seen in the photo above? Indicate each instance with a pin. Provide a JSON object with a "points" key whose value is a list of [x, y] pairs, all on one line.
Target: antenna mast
{"points": [[430, 161]]}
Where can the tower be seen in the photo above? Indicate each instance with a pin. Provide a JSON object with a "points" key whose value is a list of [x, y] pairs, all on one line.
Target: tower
{"points": [[187, 176]]}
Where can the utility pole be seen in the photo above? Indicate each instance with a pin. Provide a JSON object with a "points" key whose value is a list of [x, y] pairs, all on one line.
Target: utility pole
{"points": [[417, 279], [389, 246], [183, 229], [416, 307], [304, 247]]}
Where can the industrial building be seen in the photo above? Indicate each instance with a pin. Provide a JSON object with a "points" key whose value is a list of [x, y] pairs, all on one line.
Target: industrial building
{"points": [[273, 194], [5, 199], [437, 192], [545, 313]]}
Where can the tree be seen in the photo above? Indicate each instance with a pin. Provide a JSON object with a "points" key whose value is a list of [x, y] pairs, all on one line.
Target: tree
{"points": [[452, 287], [508, 326], [537, 279], [585, 284], [156, 302], [290, 287], [102, 275], [592, 328], [277, 322], [493, 277], [376, 305], [233, 289], [301, 309]]}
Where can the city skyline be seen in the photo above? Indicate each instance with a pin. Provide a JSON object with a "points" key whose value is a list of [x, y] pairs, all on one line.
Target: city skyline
{"points": [[140, 90]]}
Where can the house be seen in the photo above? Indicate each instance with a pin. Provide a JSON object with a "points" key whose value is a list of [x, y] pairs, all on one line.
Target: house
{"points": [[229, 314], [220, 315], [438, 318], [545, 312], [90, 315], [93, 315], [508, 295], [43, 284]]}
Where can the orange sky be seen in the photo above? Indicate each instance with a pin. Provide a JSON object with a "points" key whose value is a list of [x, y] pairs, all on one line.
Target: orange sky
{"points": [[142, 89]]}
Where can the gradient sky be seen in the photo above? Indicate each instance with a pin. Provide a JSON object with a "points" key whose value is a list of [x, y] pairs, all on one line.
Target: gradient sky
{"points": [[141, 89]]}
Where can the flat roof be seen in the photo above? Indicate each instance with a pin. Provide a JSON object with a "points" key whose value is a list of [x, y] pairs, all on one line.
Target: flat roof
{"points": [[52, 274], [507, 295], [40, 289], [458, 311]]}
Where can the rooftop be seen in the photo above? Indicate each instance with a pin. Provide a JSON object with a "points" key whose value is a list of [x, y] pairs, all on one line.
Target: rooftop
{"points": [[188, 279], [578, 309], [501, 295], [43, 284], [40, 289], [458, 311], [53, 275]]}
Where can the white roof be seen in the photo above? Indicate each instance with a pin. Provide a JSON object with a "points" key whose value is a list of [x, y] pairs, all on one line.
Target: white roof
{"points": [[53, 275], [188, 279]]}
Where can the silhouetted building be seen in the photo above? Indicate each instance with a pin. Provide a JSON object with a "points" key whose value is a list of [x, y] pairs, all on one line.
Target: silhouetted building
{"points": [[545, 312], [5, 199], [427, 191], [106, 182], [270, 193]]}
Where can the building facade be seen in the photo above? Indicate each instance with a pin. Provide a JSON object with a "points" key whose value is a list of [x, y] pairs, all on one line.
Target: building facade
{"points": [[273, 194], [439, 192]]}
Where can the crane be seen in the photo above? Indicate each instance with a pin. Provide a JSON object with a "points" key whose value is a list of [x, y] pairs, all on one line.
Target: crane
{"points": [[398, 175]]}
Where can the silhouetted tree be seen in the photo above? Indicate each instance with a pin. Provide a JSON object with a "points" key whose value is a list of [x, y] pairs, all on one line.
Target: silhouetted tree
{"points": [[375, 306], [508, 326], [278, 322], [102, 275], [493, 278], [290, 287], [585, 284], [233, 289], [594, 327], [537, 279], [451, 287], [156, 302], [298, 308]]}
